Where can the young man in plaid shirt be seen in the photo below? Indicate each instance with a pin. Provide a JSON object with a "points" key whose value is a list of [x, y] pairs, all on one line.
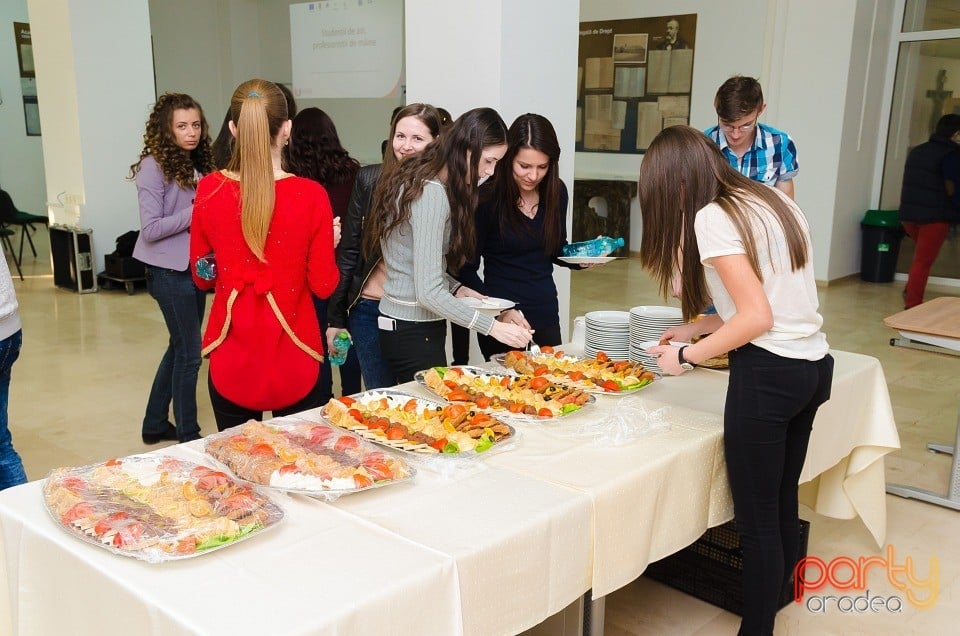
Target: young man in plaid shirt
{"points": [[758, 151]]}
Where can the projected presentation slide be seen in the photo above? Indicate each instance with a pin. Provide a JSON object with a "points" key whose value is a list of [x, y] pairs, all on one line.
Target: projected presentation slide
{"points": [[346, 48]]}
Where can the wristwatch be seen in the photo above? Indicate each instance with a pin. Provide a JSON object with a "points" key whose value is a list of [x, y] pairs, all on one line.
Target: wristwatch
{"points": [[686, 366]]}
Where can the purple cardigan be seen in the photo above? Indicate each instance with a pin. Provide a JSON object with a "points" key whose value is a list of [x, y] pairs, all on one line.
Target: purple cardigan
{"points": [[165, 213]]}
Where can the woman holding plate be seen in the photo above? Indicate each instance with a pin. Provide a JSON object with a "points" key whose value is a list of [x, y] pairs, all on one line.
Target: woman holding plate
{"points": [[521, 226], [747, 248]]}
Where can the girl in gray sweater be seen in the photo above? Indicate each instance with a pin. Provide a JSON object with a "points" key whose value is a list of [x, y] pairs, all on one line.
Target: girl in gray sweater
{"points": [[426, 230]]}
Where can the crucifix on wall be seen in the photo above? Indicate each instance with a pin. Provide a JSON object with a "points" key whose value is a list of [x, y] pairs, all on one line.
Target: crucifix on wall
{"points": [[939, 96]]}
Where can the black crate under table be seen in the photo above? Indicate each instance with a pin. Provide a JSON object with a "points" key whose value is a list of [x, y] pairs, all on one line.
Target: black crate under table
{"points": [[711, 569]]}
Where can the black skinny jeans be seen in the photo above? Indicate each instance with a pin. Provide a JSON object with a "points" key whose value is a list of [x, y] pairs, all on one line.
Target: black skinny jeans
{"points": [[771, 403], [229, 414], [414, 346]]}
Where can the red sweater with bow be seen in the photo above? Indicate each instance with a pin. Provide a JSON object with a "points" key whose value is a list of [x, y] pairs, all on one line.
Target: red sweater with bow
{"points": [[262, 336]]}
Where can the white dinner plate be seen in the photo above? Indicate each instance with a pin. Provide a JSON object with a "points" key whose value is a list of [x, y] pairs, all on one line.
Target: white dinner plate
{"points": [[608, 318], [489, 305], [654, 343], [587, 260]]}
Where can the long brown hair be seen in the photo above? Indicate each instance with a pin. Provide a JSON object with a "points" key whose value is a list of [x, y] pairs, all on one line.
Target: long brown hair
{"points": [[258, 110], [315, 151], [430, 117], [472, 132], [683, 171], [535, 132], [159, 141]]}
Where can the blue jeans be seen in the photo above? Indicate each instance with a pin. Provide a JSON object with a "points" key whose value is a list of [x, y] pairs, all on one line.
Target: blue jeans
{"points": [[349, 370], [182, 305], [362, 323], [11, 466]]}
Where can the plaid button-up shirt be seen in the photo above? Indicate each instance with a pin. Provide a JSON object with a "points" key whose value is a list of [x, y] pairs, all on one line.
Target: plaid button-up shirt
{"points": [[772, 158]]}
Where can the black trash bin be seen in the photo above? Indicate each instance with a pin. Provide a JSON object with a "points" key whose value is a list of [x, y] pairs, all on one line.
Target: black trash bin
{"points": [[881, 245]]}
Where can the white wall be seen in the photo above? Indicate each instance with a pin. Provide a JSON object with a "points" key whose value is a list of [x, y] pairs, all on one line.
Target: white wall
{"points": [[57, 96], [491, 56], [195, 69], [206, 49], [859, 141], [458, 67], [94, 87], [21, 161]]}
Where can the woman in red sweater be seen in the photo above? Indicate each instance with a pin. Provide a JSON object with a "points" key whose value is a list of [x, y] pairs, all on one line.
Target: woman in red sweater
{"points": [[272, 236]]}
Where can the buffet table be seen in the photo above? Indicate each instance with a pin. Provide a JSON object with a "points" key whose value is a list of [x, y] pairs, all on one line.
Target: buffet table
{"points": [[493, 547], [843, 476]]}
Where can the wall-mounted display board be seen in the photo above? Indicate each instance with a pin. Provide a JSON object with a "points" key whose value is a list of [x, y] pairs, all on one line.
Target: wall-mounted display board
{"points": [[28, 82], [633, 80]]}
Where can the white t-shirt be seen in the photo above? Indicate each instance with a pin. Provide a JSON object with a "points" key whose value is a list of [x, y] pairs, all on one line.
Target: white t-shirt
{"points": [[792, 294]]}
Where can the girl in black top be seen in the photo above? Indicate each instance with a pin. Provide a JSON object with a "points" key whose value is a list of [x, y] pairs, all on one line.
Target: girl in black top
{"points": [[521, 226]]}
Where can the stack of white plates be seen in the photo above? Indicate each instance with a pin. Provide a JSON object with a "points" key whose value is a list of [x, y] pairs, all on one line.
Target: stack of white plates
{"points": [[607, 331], [647, 324]]}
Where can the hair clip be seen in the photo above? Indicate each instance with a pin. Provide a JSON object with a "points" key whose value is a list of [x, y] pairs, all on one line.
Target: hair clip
{"points": [[253, 94]]}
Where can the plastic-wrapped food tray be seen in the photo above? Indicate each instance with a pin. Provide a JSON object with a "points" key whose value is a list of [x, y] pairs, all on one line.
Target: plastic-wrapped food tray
{"points": [[521, 398], [156, 508], [310, 458], [419, 426], [587, 374]]}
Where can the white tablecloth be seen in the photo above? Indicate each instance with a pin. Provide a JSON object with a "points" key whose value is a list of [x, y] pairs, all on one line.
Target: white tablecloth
{"points": [[843, 476], [492, 549], [317, 572]]}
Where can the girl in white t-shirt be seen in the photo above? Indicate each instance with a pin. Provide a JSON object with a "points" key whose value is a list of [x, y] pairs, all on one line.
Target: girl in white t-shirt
{"points": [[745, 247]]}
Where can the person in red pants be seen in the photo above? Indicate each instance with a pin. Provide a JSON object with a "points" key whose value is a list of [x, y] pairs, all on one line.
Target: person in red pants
{"points": [[930, 201]]}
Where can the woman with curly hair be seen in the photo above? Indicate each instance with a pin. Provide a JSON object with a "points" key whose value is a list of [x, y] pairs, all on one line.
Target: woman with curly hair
{"points": [[176, 153], [273, 236], [315, 152], [424, 223]]}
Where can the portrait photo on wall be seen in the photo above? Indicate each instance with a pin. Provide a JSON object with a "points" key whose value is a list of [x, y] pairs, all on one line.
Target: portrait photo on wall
{"points": [[633, 80]]}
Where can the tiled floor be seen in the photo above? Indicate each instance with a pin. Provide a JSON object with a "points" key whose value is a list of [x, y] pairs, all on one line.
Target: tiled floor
{"points": [[80, 385]]}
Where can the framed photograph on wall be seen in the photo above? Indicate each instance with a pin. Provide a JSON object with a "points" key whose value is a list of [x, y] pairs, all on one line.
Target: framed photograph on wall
{"points": [[28, 78], [21, 35], [634, 79]]}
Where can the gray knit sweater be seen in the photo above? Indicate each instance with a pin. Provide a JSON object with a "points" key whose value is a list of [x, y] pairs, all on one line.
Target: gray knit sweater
{"points": [[417, 288]]}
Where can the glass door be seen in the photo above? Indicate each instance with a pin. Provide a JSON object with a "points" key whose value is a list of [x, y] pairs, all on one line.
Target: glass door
{"points": [[926, 87]]}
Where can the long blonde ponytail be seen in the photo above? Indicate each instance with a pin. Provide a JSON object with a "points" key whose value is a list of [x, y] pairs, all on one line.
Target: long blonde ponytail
{"points": [[258, 110]]}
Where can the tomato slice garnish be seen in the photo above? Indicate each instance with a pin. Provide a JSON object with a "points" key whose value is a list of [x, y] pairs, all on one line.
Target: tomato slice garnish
{"points": [[346, 442], [538, 383]]}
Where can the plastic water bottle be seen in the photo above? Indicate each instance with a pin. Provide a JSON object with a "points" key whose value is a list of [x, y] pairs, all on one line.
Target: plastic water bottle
{"points": [[341, 345], [600, 246], [206, 267]]}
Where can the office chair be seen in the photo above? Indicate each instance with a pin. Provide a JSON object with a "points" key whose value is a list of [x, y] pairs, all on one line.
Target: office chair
{"points": [[10, 216], [5, 234]]}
